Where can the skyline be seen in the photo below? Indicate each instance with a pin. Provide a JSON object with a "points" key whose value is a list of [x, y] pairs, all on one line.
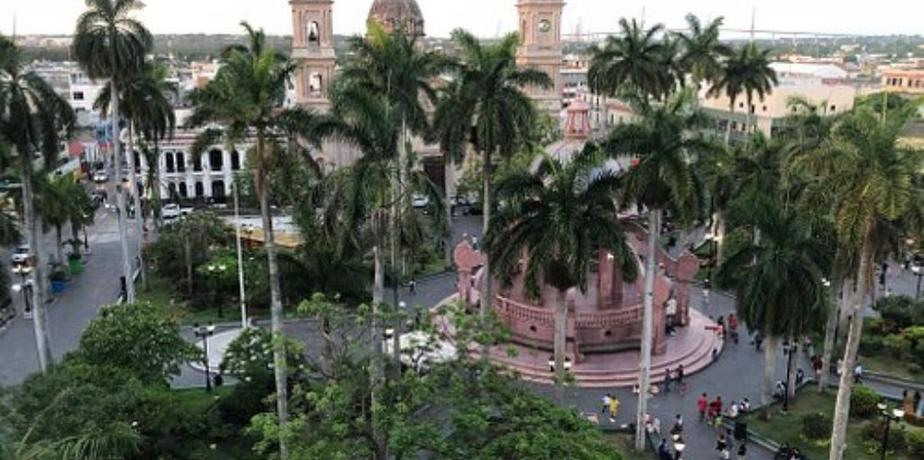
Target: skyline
{"points": [[442, 16]]}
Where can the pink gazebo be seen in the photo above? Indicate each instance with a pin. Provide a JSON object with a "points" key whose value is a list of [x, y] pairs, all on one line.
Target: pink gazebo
{"points": [[605, 319]]}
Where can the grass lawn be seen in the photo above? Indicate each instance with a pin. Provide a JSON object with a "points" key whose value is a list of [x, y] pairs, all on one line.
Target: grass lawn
{"points": [[786, 428], [883, 363]]}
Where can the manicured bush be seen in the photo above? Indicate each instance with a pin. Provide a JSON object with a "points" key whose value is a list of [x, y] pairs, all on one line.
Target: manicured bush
{"points": [[871, 344], [915, 441], [895, 345], [816, 427], [897, 312], [874, 432], [863, 401]]}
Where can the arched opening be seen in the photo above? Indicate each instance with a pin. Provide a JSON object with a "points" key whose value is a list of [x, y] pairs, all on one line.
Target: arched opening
{"points": [[184, 192], [200, 190], [180, 162], [315, 84], [197, 163], [218, 191], [235, 160], [168, 159], [216, 160], [314, 35]]}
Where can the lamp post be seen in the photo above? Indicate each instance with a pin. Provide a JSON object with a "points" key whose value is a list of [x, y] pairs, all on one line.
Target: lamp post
{"points": [[204, 332], [889, 416], [218, 270], [707, 283], [240, 256], [26, 287], [790, 348]]}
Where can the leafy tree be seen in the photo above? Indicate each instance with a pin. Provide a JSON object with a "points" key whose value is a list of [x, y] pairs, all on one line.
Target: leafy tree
{"points": [[873, 186], [632, 62], [495, 111], [33, 119], [663, 179], [111, 45], [186, 244], [702, 50], [558, 218], [139, 338], [746, 72]]}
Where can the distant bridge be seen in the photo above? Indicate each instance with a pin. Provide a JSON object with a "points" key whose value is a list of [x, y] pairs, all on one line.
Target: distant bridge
{"points": [[763, 34]]}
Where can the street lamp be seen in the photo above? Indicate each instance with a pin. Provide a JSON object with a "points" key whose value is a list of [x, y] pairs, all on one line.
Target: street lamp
{"points": [[204, 332], [895, 415], [220, 270], [919, 272], [26, 287], [790, 348]]}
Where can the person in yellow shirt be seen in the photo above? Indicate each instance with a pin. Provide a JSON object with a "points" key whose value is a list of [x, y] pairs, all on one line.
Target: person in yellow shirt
{"points": [[614, 406]]}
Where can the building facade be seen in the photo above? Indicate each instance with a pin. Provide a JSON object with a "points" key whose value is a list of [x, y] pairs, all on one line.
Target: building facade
{"points": [[541, 48], [313, 50], [903, 81]]}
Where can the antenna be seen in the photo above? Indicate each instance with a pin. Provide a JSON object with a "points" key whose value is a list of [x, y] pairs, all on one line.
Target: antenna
{"points": [[14, 28], [643, 17], [753, 22]]}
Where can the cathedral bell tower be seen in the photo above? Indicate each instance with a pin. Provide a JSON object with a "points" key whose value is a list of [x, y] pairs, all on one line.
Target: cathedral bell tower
{"points": [[313, 51], [541, 48]]}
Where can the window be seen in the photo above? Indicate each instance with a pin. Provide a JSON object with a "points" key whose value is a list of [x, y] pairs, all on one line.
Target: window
{"points": [[216, 160], [315, 83], [235, 160], [741, 105], [168, 159], [183, 191], [197, 163], [833, 108], [218, 190], [200, 190], [313, 35], [765, 108], [77, 96], [171, 191], [180, 162]]}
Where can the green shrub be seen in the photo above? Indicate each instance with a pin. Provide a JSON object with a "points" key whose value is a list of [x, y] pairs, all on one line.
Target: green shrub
{"points": [[863, 401], [874, 432], [915, 441], [816, 427], [871, 344], [897, 312], [895, 345]]}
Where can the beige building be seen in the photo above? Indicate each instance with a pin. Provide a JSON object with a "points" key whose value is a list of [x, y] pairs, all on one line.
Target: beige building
{"points": [[903, 81], [766, 114], [541, 48]]}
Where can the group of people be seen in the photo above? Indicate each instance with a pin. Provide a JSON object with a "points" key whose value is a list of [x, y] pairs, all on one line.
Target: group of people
{"points": [[715, 411]]}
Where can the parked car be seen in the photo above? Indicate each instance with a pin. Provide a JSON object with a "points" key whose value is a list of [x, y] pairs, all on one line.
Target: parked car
{"points": [[20, 255], [100, 177], [420, 201], [170, 211]]}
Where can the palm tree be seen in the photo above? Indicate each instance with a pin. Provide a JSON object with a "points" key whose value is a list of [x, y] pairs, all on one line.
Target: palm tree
{"points": [[663, 179], [497, 113], [110, 44], [779, 281], [632, 63], [452, 138], [245, 99], [746, 72], [874, 185], [32, 119], [558, 217], [703, 52]]}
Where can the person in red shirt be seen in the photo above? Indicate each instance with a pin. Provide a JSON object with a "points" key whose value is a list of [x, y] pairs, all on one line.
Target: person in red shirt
{"points": [[702, 404], [716, 407], [733, 326]]}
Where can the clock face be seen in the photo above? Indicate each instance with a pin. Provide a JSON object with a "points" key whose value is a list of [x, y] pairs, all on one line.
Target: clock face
{"points": [[545, 25]]}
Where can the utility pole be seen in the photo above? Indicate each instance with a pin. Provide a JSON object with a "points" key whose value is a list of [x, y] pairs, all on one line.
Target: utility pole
{"points": [[240, 255]]}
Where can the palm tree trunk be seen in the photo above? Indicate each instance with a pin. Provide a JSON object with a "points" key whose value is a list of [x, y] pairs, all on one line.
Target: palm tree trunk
{"points": [[59, 243], [791, 366], [842, 405], [644, 371], [561, 332], [33, 239], [187, 255], [731, 116], [276, 313], [376, 375], [770, 358], [719, 236], [450, 190], [747, 117], [136, 201], [487, 293], [830, 331], [120, 195]]}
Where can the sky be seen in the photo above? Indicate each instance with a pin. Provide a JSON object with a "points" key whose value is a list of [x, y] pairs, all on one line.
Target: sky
{"points": [[488, 18]]}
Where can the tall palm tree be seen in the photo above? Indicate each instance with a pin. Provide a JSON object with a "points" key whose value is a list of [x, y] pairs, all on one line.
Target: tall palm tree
{"points": [[452, 138], [779, 281], [632, 62], [33, 119], [558, 217], [874, 185], [245, 99], [110, 44], [664, 143], [746, 72], [497, 113], [703, 52]]}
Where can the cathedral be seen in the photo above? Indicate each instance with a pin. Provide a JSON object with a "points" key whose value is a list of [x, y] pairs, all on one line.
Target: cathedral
{"points": [[313, 50]]}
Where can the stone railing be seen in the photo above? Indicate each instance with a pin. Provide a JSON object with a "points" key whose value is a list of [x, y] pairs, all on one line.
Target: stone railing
{"points": [[608, 319], [511, 309]]}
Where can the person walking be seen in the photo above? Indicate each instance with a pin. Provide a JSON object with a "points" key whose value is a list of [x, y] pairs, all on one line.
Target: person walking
{"points": [[664, 452], [614, 407], [758, 341], [678, 425], [412, 286], [858, 374], [606, 403], [702, 404], [667, 380], [742, 452], [733, 327]]}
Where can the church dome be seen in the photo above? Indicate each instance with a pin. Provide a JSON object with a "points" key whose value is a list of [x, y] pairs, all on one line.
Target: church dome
{"points": [[395, 14]]}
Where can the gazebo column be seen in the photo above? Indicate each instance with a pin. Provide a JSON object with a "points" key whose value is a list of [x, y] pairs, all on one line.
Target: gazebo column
{"points": [[687, 266], [604, 281]]}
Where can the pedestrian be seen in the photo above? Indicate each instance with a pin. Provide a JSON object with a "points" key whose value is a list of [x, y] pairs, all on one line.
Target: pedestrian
{"points": [[800, 377], [667, 380], [664, 452], [858, 374], [702, 404], [742, 452], [733, 327], [606, 403], [758, 341], [745, 406], [721, 327], [656, 426], [816, 366], [733, 410], [412, 287], [721, 443], [678, 377], [614, 407], [670, 311], [678, 425], [715, 408], [917, 403]]}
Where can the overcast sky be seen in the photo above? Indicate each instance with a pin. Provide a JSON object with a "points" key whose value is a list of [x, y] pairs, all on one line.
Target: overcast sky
{"points": [[488, 17]]}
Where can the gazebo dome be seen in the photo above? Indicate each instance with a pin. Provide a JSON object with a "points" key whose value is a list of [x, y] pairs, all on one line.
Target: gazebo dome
{"points": [[395, 14]]}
